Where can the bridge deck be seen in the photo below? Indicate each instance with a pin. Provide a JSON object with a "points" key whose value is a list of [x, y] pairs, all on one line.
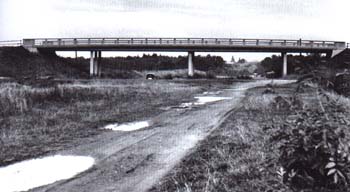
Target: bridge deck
{"points": [[184, 44]]}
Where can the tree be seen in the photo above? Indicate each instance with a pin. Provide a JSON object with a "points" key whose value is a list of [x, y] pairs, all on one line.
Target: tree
{"points": [[233, 59], [241, 60]]}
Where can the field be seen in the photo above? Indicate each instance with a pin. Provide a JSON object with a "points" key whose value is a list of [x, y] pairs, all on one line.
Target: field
{"points": [[45, 117]]}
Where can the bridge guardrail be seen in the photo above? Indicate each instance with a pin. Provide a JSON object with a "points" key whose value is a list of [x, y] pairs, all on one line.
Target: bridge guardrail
{"points": [[61, 42], [11, 43]]}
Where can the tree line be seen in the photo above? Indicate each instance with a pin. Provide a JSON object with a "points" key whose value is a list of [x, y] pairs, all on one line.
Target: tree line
{"points": [[160, 62]]}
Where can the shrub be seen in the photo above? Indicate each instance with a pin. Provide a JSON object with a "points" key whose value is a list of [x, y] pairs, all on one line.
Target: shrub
{"points": [[314, 149], [202, 76], [168, 76]]}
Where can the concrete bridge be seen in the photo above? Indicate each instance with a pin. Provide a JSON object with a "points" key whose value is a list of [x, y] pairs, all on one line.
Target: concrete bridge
{"points": [[191, 45]]}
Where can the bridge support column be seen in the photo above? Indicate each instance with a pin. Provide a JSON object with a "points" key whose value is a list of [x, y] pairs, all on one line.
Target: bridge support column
{"points": [[98, 63], [190, 64], [92, 63], [95, 62], [285, 64]]}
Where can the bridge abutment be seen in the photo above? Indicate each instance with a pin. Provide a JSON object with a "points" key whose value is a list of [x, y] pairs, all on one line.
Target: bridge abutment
{"points": [[285, 64], [190, 64]]}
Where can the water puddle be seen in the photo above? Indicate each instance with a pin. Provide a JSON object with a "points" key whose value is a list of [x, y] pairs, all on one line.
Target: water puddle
{"points": [[128, 126], [210, 97], [206, 99], [238, 89], [246, 86], [34, 173], [212, 93], [202, 100]]}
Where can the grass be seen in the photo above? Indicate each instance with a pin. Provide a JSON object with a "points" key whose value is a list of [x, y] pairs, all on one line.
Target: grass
{"points": [[344, 101], [36, 120], [233, 157], [261, 103], [240, 156]]}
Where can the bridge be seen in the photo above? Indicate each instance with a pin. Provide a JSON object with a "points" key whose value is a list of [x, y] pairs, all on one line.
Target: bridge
{"points": [[191, 45]]}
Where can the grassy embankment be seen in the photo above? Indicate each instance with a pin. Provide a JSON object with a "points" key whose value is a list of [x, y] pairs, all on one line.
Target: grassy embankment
{"points": [[35, 120], [244, 154]]}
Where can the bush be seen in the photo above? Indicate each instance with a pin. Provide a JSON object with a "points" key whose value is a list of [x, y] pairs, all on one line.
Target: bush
{"points": [[313, 147], [296, 64], [168, 76], [202, 76]]}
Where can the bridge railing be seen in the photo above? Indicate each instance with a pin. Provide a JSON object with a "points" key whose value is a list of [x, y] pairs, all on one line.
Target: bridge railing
{"points": [[12, 43], [184, 41]]}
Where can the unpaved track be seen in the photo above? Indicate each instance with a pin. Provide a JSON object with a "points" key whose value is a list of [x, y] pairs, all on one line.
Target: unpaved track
{"points": [[134, 161]]}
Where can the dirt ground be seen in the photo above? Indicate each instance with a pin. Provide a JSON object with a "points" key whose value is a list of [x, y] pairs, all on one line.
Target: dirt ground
{"points": [[135, 161]]}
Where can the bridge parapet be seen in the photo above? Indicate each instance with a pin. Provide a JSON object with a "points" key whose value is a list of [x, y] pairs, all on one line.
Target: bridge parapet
{"points": [[11, 43], [224, 42]]}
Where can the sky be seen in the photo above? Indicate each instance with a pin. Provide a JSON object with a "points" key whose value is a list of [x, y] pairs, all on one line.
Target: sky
{"points": [[290, 19]]}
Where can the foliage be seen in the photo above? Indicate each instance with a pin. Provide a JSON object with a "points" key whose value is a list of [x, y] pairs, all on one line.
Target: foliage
{"points": [[202, 76], [233, 59], [241, 60], [168, 76], [160, 62], [296, 64], [313, 145], [17, 62]]}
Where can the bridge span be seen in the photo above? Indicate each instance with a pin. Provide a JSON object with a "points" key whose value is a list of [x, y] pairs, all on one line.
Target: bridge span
{"points": [[191, 45]]}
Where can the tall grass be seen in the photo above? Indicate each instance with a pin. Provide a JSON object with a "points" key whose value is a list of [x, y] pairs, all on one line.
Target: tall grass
{"points": [[339, 99], [259, 102], [17, 99], [36, 120]]}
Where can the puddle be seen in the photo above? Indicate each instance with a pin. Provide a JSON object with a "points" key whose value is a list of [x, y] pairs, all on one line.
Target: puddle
{"points": [[128, 126], [204, 100], [210, 97], [246, 86], [186, 105], [5, 78], [237, 89], [34, 173], [212, 93]]}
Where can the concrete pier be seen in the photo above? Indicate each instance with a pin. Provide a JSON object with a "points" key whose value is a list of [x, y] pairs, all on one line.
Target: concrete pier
{"points": [[285, 64], [95, 63], [190, 64], [99, 67], [92, 63]]}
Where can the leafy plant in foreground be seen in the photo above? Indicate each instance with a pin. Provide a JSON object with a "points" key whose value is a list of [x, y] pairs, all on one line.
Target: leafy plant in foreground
{"points": [[314, 149]]}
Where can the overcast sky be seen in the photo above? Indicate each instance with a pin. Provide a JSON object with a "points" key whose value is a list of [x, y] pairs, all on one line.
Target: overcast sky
{"points": [[306, 19]]}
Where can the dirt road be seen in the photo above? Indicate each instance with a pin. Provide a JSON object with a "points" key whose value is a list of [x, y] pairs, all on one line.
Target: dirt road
{"points": [[134, 161]]}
